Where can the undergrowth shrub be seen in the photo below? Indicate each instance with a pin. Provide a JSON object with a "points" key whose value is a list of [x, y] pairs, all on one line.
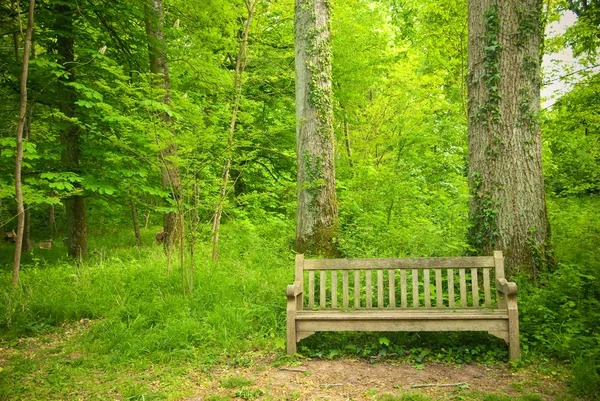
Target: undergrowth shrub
{"points": [[139, 310]]}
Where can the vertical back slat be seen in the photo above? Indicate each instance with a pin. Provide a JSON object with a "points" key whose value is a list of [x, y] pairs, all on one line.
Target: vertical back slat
{"points": [[415, 285], [426, 287], [323, 288], [311, 289], [369, 288], [334, 289], [438, 288], [499, 273], [345, 289], [356, 289], [475, 287], [392, 288], [380, 289], [486, 288], [463, 288], [450, 288], [299, 276], [403, 294]]}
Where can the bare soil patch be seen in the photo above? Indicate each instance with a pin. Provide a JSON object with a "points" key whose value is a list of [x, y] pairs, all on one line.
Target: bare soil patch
{"points": [[361, 380]]}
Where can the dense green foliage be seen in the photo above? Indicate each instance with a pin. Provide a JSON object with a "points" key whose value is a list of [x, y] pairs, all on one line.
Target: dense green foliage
{"points": [[399, 72]]}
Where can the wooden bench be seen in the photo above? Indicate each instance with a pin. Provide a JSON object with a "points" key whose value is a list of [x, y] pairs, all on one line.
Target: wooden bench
{"points": [[419, 294]]}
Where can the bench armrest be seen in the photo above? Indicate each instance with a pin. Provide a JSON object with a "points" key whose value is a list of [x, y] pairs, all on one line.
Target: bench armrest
{"points": [[506, 287], [293, 290]]}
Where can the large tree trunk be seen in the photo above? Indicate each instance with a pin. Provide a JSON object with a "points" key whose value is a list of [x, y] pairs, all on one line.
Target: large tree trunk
{"points": [[157, 52], [19, 159], [508, 206], [69, 137], [317, 205]]}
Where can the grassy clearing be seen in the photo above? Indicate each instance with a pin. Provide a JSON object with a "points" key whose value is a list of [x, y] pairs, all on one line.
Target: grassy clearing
{"points": [[118, 326]]}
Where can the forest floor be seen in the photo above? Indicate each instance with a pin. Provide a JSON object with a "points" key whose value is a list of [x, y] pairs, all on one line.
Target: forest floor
{"points": [[55, 366], [345, 379]]}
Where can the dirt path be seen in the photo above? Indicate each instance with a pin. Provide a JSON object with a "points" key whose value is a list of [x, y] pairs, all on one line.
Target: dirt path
{"points": [[361, 380]]}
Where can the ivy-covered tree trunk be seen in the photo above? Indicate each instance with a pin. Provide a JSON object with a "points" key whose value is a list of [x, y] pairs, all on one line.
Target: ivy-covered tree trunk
{"points": [[508, 205], [157, 51], [317, 205], [69, 136]]}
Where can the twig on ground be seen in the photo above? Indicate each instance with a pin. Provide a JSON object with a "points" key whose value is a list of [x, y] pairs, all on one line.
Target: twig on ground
{"points": [[294, 370], [437, 385], [332, 385]]}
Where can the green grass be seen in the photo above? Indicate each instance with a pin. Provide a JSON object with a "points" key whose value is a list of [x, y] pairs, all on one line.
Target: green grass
{"points": [[135, 314], [235, 382]]}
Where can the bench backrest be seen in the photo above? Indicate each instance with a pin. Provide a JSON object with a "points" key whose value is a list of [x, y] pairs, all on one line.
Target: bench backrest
{"points": [[450, 283]]}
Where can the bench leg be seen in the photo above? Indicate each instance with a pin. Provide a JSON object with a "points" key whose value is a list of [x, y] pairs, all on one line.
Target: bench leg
{"points": [[514, 349], [291, 326], [291, 341]]}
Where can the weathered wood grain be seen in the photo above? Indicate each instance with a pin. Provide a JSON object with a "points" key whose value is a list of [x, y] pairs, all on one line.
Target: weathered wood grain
{"points": [[475, 287], [357, 288], [334, 289], [415, 287], [403, 293], [311, 289], [369, 288], [409, 263], [450, 288], [345, 289], [426, 288], [379, 289], [392, 288], [323, 289], [439, 290], [486, 288]]}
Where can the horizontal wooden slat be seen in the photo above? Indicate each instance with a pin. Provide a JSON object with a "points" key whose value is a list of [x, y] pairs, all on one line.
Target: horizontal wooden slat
{"points": [[402, 312], [430, 314], [483, 324], [409, 263]]}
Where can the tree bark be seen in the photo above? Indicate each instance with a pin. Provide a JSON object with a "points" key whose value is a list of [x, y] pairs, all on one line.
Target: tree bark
{"points": [[69, 137], [157, 52], [19, 158], [17, 12], [347, 140], [240, 65], [508, 205], [317, 205], [27, 243]]}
